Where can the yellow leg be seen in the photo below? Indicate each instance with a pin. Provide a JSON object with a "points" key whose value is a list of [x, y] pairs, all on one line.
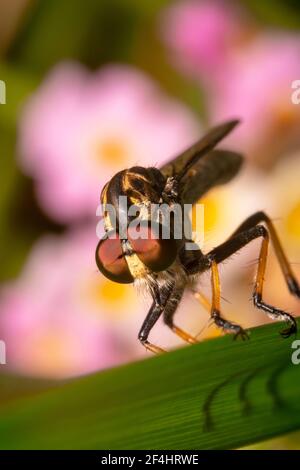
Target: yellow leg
{"points": [[184, 335], [154, 349]]}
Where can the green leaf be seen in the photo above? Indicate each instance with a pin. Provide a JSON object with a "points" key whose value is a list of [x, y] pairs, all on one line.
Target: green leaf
{"points": [[217, 394]]}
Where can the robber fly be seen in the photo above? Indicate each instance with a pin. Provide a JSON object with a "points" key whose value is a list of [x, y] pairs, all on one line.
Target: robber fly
{"points": [[164, 266]]}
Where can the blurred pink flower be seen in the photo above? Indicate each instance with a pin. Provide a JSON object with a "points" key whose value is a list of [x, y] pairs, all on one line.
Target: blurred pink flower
{"points": [[246, 73], [201, 36], [61, 317], [257, 88], [79, 128]]}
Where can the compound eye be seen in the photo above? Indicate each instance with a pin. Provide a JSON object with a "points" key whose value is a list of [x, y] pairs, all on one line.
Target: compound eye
{"points": [[110, 259], [156, 252]]}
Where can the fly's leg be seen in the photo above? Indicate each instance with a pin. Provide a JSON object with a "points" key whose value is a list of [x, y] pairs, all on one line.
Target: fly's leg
{"points": [[183, 334], [188, 258], [150, 320], [196, 262], [169, 312], [205, 302], [238, 241], [202, 299], [288, 274], [272, 312], [219, 321], [165, 301], [160, 300]]}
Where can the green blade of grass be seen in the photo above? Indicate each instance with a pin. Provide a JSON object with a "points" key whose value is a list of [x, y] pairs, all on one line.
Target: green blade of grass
{"points": [[214, 395]]}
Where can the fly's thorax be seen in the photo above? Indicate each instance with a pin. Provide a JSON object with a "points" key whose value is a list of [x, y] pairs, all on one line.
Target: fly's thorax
{"points": [[137, 184]]}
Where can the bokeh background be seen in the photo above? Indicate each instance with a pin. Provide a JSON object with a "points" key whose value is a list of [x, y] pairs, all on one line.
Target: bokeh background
{"points": [[93, 87]]}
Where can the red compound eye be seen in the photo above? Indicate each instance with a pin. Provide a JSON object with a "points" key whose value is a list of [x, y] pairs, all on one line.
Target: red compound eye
{"points": [[154, 251], [110, 259]]}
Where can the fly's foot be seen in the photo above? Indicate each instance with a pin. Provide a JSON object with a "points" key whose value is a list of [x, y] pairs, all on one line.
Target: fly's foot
{"points": [[229, 327], [290, 330], [152, 347], [277, 314], [240, 332]]}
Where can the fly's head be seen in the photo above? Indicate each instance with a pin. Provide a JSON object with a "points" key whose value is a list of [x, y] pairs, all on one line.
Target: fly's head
{"points": [[134, 246]]}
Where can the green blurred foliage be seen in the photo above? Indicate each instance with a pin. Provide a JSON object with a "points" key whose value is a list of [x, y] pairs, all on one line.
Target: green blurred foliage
{"points": [[21, 219], [100, 32], [283, 14], [109, 30]]}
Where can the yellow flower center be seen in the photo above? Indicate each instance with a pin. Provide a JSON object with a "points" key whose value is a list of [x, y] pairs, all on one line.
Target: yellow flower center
{"points": [[293, 221], [54, 357], [112, 151], [284, 116], [211, 213], [111, 296]]}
